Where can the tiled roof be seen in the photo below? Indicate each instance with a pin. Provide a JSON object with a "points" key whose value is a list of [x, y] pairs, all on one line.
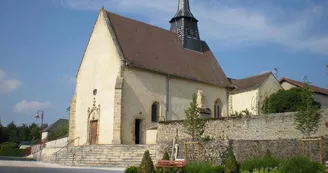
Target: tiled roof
{"points": [[250, 82], [152, 48], [302, 84]]}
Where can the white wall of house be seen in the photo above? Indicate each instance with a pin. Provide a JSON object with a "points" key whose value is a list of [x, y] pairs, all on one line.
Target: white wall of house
{"points": [[245, 100], [287, 86], [322, 99], [99, 69], [44, 135], [142, 88]]}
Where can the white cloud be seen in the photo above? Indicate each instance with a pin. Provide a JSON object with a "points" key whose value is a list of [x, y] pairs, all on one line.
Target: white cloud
{"points": [[30, 106], [8, 84], [233, 23]]}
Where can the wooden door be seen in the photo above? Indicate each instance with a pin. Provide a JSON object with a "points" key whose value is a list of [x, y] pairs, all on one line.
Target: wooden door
{"points": [[94, 132]]}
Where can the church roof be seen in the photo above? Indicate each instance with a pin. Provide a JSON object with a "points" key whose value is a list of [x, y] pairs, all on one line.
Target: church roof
{"points": [[314, 89], [248, 83], [159, 50]]}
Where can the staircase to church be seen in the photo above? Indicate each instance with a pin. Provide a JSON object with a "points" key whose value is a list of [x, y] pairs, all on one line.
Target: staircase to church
{"points": [[102, 155]]}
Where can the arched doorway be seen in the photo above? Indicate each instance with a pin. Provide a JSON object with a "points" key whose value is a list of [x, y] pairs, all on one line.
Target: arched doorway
{"points": [[93, 124]]}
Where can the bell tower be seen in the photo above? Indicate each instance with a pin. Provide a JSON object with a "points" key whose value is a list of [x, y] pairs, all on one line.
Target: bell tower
{"points": [[185, 25]]}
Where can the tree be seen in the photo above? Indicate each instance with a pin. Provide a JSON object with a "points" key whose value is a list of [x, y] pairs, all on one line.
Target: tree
{"points": [[58, 132], [308, 117], [1, 133], [12, 132], [23, 133], [34, 132], [166, 156], [230, 163], [194, 125], [146, 165], [288, 101]]}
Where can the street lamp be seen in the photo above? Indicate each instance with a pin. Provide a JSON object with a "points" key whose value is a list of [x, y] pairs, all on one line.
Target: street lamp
{"points": [[38, 116]]}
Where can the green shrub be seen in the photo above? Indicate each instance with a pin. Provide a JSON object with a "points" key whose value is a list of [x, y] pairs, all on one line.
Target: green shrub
{"points": [[131, 169], [230, 163], [219, 169], [8, 145], [266, 170], [268, 161], [146, 165], [166, 156], [10, 149], [286, 101], [201, 167], [300, 164]]}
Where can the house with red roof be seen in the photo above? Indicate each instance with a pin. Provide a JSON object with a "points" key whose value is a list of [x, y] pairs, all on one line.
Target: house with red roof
{"points": [[251, 92], [319, 94]]}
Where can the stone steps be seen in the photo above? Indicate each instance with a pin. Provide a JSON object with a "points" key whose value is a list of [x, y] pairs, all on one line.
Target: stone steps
{"points": [[103, 155]]}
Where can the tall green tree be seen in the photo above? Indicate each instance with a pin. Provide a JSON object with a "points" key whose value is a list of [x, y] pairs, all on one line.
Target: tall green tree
{"points": [[194, 125], [1, 133], [35, 132], [12, 132], [308, 117], [23, 133]]}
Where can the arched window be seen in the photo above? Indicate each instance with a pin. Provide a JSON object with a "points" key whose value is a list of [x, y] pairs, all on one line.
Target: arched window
{"points": [[155, 112], [217, 109]]}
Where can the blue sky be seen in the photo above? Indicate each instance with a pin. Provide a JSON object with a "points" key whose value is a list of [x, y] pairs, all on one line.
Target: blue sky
{"points": [[42, 43]]}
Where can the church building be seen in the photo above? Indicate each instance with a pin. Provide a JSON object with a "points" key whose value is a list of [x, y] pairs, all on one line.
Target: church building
{"points": [[133, 75]]}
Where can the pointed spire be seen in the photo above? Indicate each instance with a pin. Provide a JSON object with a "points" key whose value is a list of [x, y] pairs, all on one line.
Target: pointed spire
{"points": [[185, 25], [183, 10]]}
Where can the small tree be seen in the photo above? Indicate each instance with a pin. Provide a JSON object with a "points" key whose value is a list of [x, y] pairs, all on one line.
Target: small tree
{"points": [[308, 117], [146, 165], [194, 125], [166, 156], [230, 163]]}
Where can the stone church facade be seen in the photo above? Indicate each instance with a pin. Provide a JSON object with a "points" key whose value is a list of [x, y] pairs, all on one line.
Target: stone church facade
{"points": [[133, 75]]}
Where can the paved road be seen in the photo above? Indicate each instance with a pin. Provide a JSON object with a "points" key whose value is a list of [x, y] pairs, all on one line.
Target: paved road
{"points": [[37, 167]]}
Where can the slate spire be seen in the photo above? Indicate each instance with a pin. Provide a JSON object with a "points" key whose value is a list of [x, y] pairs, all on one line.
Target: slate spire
{"points": [[185, 25]]}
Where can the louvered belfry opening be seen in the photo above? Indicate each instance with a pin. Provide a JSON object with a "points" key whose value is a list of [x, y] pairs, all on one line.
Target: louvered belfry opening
{"points": [[185, 25]]}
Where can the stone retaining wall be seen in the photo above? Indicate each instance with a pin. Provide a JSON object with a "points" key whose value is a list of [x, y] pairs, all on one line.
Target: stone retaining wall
{"points": [[249, 137]]}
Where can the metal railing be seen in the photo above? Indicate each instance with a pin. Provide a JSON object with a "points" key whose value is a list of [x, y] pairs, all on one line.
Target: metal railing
{"points": [[66, 146]]}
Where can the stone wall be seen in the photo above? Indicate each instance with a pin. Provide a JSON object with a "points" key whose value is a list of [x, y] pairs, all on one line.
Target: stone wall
{"points": [[283, 148], [248, 136]]}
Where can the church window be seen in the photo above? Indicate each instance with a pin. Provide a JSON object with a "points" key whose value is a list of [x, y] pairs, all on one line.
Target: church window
{"points": [[155, 112], [95, 92], [217, 109]]}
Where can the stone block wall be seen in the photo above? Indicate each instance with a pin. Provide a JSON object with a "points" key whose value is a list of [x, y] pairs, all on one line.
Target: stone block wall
{"points": [[248, 136]]}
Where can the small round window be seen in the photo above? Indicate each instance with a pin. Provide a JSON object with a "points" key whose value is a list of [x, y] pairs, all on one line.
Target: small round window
{"points": [[95, 92]]}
